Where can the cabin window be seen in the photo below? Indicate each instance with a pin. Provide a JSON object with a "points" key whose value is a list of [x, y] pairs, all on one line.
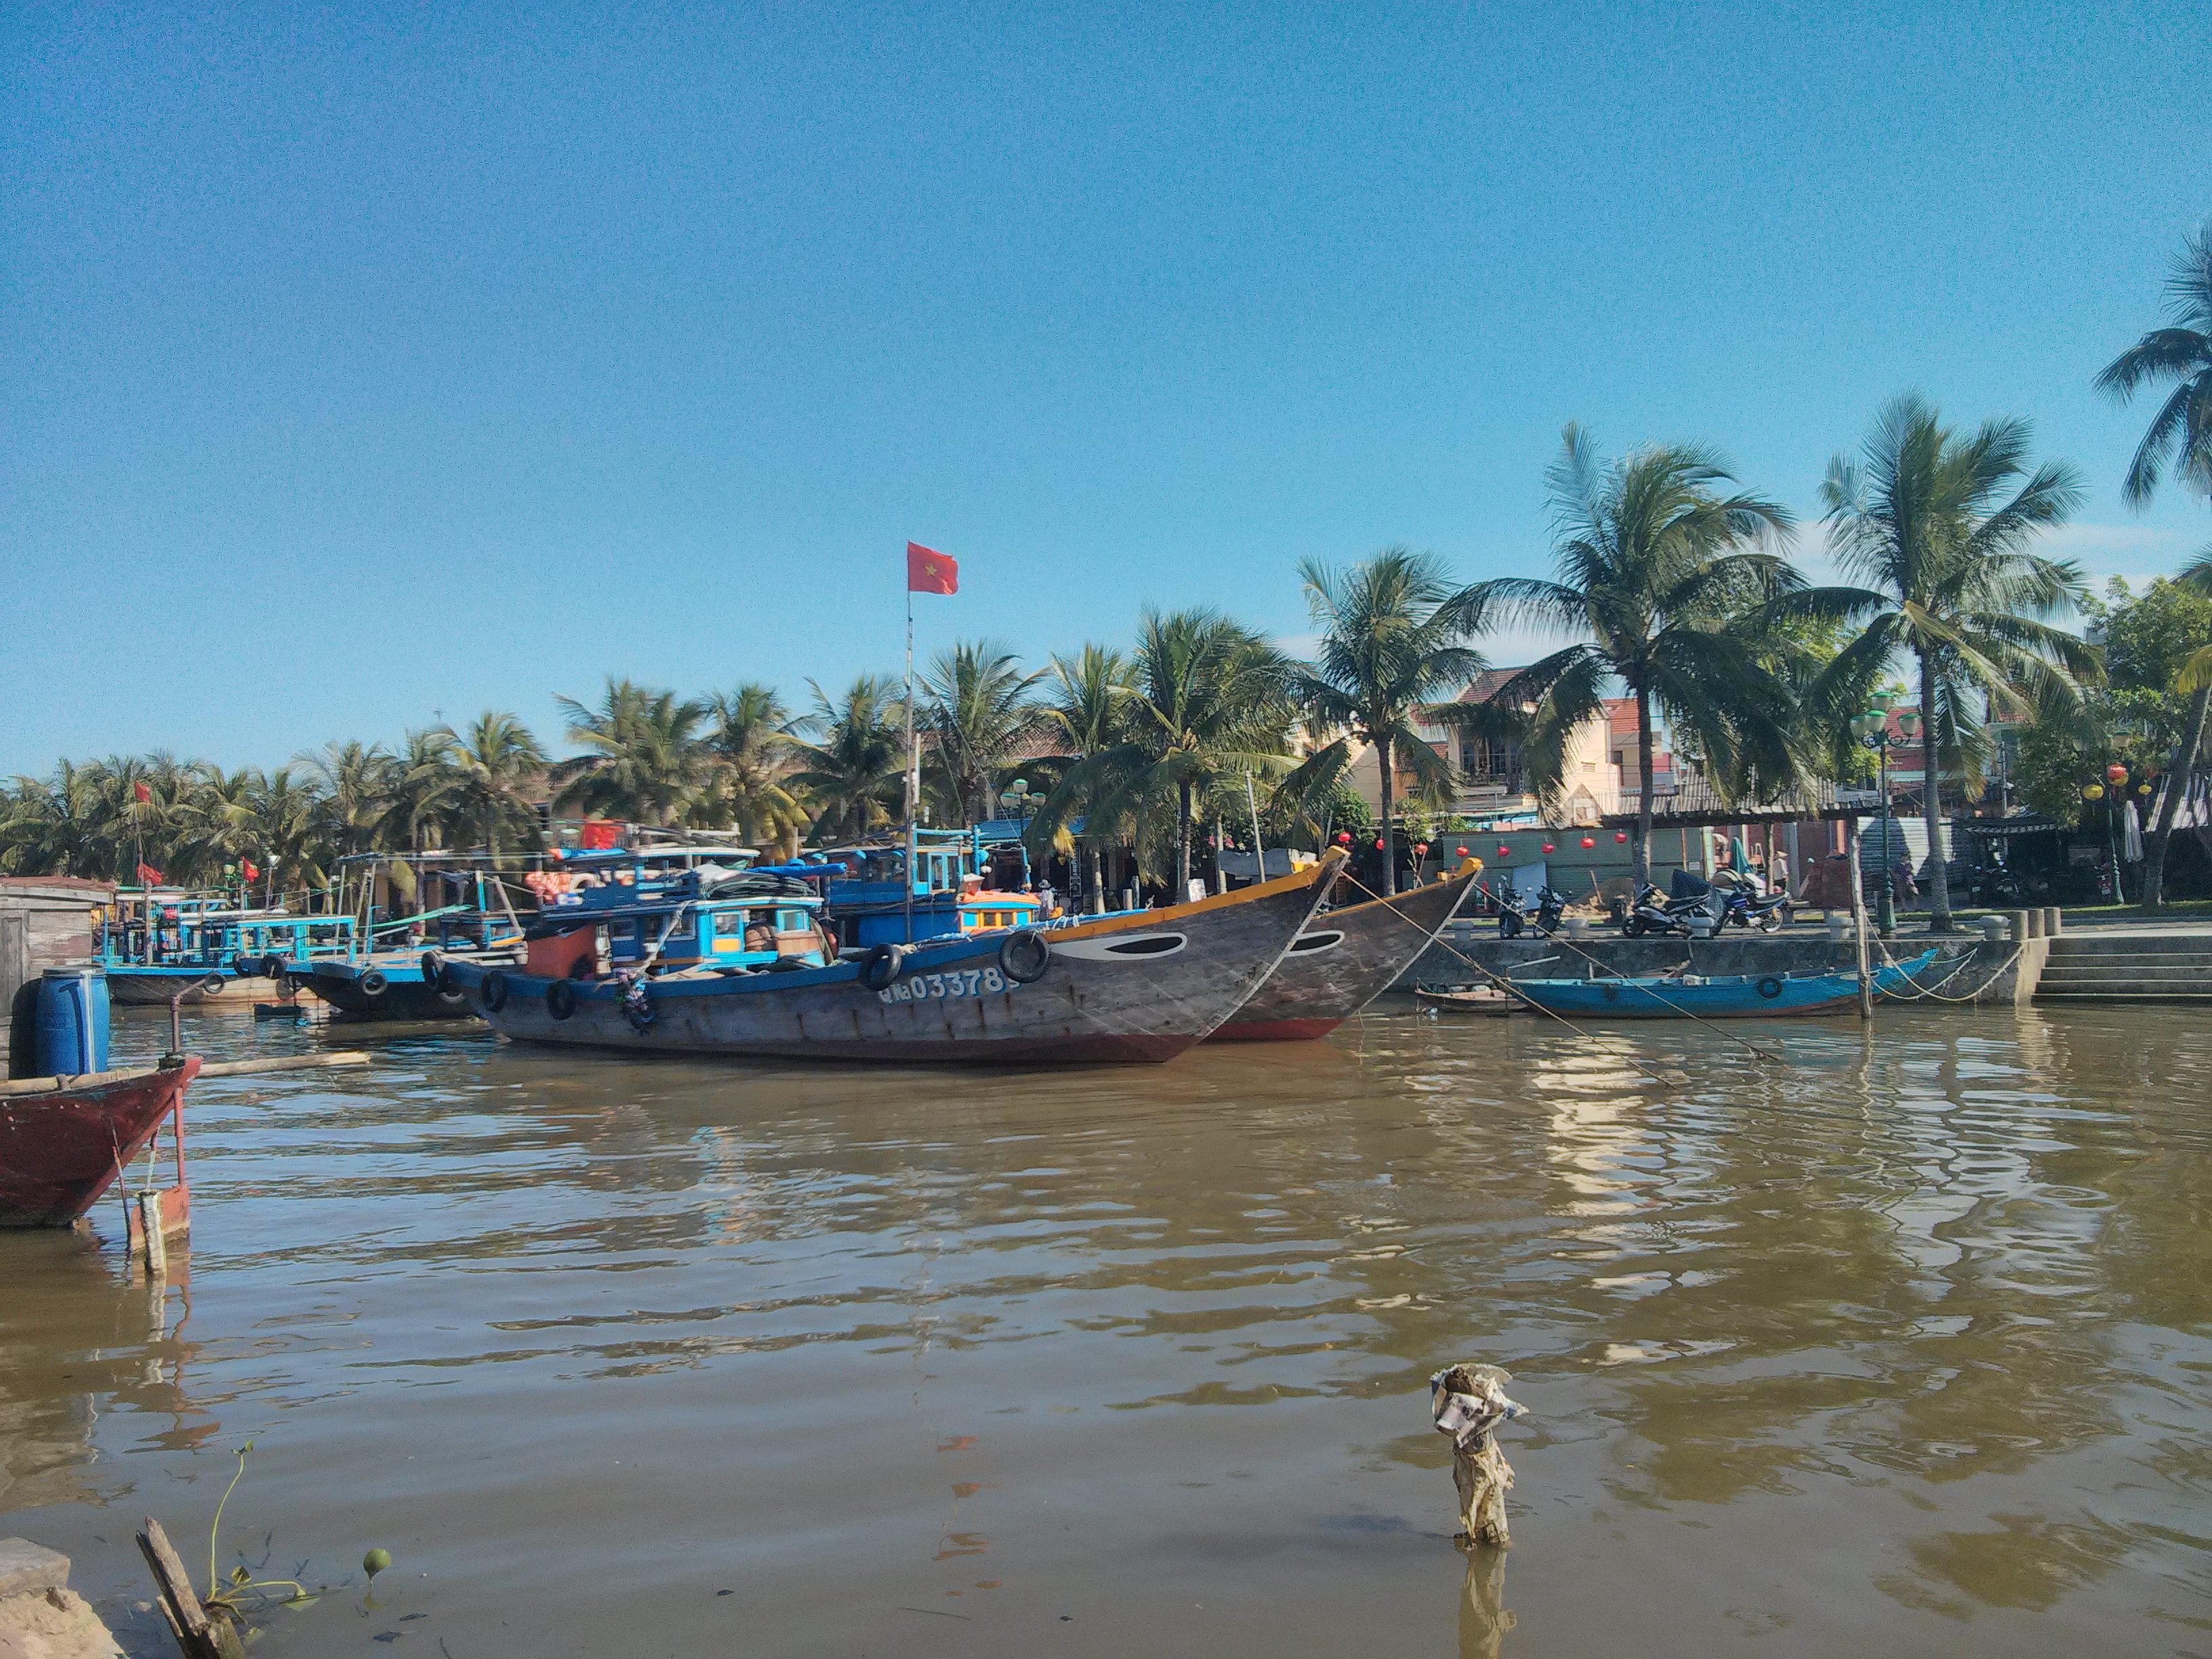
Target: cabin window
{"points": [[790, 922]]}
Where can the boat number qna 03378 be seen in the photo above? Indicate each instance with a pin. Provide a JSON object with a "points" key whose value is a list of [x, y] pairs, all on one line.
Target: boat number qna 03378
{"points": [[970, 982]]}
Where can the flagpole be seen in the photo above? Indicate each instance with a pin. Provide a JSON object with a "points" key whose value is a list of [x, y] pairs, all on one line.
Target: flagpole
{"points": [[913, 765]]}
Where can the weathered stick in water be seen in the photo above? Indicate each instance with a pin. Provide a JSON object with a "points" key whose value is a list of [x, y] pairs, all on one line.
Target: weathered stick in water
{"points": [[1468, 1402], [198, 1637]]}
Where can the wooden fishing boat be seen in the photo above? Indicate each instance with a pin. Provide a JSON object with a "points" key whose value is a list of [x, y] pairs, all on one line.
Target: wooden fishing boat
{"points": [[391, 985], [1342, 960], [1733, 996], [64, 1140], [1139, 987]]}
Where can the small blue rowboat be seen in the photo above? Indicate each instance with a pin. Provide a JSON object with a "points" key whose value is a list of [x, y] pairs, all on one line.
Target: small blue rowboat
{"points": [[1733, 996]]}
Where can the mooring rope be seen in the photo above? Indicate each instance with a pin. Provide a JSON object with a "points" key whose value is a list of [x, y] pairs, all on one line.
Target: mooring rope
{"points": [[1931, 993], [1507, 983]]}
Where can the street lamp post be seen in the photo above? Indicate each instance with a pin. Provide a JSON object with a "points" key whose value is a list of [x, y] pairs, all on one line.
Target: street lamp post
{"points": [[1871, 730]]}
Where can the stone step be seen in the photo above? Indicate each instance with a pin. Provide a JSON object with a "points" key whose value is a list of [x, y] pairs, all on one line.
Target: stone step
{"points": [[2058, 993]]}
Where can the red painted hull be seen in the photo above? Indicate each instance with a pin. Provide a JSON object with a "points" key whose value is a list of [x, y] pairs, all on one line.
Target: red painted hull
{"points": [[61, 1149], [1275, 1030]]}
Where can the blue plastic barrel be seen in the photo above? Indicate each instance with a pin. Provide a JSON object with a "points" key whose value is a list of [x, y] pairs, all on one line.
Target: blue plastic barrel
{"points": [[72, 1032]]}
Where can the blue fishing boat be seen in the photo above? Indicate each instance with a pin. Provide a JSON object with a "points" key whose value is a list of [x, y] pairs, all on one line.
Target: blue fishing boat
{"points": [[386, 981], [156, 942], [964, 881], [1730, 996]]}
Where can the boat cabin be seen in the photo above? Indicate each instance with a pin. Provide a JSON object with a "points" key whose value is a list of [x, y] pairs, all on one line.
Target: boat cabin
{"points": [[632, 912], [966, 881], [200, 933]]}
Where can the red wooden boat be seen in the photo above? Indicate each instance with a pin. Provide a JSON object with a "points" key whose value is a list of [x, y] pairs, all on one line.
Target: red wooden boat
{"points": [[1342, 960], [61, 1147]]}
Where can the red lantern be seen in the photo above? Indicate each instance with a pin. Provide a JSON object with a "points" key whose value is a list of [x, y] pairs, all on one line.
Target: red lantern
{"points": [[1460, 850], [1621, 834], [1548, 848], [1504, 851], [1344, 838], [1589, 841], [1379, 844], [2116, 772]]}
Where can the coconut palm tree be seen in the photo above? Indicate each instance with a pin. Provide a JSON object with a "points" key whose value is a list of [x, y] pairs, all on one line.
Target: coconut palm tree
{"points": [[2180, 433], [750, 744], [57, 825], [497, 768], [975, 707], [643, 760], [1209, 702], [1937, 527], [1660, 572], [855, 770], [353, 785], [1085, 710], [421, 782], [1391, 645]]}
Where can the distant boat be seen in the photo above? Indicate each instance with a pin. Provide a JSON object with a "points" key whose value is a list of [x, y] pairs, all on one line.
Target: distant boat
{"points": [[1138, 988], [155, 943], [1343, 960], [1475, 1000], [64, 1140], [1733, 996], [391, 982]]}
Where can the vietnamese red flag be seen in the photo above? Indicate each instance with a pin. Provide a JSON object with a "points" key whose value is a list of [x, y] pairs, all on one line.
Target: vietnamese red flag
{"points": [[252, 870], [149, 875], [928, 571], [145, 795]]}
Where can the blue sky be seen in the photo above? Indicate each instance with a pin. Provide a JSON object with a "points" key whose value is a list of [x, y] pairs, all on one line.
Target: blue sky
{"points": [[366, 365]]}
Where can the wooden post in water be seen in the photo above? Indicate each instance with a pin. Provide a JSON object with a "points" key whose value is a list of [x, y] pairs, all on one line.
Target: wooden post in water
{"points": [[198, 1636], [1859, 914]]}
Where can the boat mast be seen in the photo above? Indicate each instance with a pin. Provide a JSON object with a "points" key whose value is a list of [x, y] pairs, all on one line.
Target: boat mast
{"points": [[913, 766]]}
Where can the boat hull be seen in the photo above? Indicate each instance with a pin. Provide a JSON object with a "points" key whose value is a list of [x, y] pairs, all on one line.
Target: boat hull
{"points": [[407, 994], [152, 987], [1127, 990], [1342, 960], [62, 1148], [1773, 996]]}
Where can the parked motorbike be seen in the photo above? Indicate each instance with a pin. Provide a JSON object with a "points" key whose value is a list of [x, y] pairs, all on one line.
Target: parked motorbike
{"points": [[1653, 912], [1743, 906], [1516, 918]]}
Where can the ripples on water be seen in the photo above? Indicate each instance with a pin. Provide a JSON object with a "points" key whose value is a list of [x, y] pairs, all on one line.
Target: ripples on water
{"points": [[1898, 1345]]}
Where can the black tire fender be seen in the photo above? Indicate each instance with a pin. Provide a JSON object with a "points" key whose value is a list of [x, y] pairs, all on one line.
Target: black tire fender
{"points": [[881, 966], [373, 982], [272, 966], [1024, 955], [560, 998], [493, 993], [1770, 988], [431, 967]]}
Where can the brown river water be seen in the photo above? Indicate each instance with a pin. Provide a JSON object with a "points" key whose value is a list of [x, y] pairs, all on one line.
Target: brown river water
{"points": [[1891, 1344]]}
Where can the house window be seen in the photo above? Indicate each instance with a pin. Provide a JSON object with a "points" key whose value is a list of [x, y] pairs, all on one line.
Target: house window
{"points": [[1490, 760]]}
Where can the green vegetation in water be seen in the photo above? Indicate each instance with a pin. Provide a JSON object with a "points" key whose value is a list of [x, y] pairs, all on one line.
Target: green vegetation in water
{"points": [[241, 1596]]}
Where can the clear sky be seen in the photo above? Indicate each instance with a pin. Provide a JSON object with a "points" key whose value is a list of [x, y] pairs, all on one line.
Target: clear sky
{"points": [[369, 364]]}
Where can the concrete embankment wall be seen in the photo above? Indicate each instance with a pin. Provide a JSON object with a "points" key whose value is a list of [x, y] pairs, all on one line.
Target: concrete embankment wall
{"points": [[1999, 971]]}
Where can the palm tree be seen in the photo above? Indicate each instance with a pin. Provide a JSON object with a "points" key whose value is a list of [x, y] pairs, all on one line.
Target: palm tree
{"points": [[422, 783], [975, 707], [1209, 702], [856, 770], [1662, 573], [496, 767], [1390, 645], [1085, 709], [750, 743], [1925, 522], [354, 785], [643, 760], [2181, 431], [285, 827]]}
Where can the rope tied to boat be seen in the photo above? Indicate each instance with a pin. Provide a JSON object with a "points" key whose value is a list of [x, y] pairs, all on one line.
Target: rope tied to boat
{"points": [[1505, 982], [1933, 994]]}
